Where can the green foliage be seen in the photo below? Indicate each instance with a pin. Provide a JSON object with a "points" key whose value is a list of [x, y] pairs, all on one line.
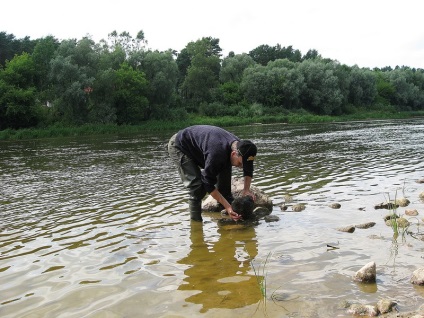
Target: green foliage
{"points": [[322, 94], [233, 67], [265, 53], [120, 81], [17, 93], [132, 106], [161, 72]]}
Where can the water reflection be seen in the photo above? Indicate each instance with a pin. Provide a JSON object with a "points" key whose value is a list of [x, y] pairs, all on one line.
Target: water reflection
{"points": [[219, 270]]}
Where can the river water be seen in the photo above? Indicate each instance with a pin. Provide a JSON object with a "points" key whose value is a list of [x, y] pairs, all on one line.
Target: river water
{"points": [[99, 227]]}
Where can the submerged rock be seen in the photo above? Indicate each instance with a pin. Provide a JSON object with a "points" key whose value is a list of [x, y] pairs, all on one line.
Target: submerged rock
{"points": [[390, 217], [244, 206], [348, 229], [366, 274], [260, 212], [237, 185], [387, 206], [402, 202], [401, 222], [363, 310], [271, 218], [365, 225], [298, 207], [385, 305], [411, 212], [283, 207], [335, 205], [418, 277]]}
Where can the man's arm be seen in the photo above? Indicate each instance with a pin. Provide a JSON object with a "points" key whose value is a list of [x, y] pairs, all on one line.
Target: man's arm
{"points": [[246, 188], [227, 206]]}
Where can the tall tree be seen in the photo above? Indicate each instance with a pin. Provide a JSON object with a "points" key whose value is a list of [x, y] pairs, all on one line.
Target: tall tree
{"points": [[18, 107], [132, 106], [203, 73], [161, 72]]}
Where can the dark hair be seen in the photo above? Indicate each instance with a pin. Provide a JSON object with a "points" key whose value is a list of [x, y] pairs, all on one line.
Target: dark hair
{"points": [[244, 206]]}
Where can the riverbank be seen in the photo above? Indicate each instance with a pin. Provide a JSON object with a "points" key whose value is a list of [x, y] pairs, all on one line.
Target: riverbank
{"points": [[59, 130]]}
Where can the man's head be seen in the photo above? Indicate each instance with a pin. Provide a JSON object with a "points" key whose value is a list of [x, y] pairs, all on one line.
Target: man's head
{"points": [[247, 150]]}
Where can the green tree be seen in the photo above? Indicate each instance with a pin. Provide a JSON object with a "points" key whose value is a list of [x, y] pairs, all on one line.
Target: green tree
{"points": [[321, 93], [18, 108], [362, 87], [100, 97], [161, 72], [279, 84], [42, 55], [72, 74], [203, 73], [130, 101], [233, 67], [265, 53]]}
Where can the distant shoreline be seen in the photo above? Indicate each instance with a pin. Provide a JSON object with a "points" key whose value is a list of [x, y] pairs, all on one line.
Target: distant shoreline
{"points": [[58, 131]]}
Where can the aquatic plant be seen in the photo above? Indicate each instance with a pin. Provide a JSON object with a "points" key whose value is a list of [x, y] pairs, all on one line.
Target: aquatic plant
{"points": [[395, 221], [260, 274]]}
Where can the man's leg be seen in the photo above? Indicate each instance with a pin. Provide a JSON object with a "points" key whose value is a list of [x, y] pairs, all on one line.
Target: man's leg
{"points": [[191, 177]]}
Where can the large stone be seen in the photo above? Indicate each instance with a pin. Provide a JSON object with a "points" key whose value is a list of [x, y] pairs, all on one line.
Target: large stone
{"points": [[237, 185], [244, 206], [418, 277], [385, 305], [366, 274], [363, 310]]}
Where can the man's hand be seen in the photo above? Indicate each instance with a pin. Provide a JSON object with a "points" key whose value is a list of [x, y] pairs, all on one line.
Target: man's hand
{"points": [[233, 214], [249, 193]]}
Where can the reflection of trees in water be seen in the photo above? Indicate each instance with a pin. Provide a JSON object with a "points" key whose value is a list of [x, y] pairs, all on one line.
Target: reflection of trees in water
{"points": [[220, 271]]}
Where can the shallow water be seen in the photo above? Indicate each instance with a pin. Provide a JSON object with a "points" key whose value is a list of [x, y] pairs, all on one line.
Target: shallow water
{"points": [[98, 227]]}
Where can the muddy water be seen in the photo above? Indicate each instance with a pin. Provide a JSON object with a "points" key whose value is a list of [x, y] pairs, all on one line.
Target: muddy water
{"points": [[98, 227]]}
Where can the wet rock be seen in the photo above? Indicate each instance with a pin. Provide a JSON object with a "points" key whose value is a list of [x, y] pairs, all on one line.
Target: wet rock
{"points": [[288, 198], [271, 218], [363, 310], [387, 206], [390, 217], [403, 223], [411, 212], [366, 274], [260, 212], [244, 206], [421, 195], [230, 224], [344, 304], [365, 225], [237, 185], [335, 205], [283, 207], [402, 202], [385, 305], [420, 181], [298, 207], [348, 229], [418, 277]]}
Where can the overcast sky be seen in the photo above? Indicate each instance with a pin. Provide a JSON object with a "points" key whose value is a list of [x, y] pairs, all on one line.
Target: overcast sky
{"points": [[368, 33]]}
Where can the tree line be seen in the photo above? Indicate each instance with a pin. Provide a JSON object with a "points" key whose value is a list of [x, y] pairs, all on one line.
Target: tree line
{"points": [[119, 80]]}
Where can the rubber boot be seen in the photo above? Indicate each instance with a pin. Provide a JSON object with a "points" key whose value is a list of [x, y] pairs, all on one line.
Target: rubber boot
{"points": [[195, 210]]}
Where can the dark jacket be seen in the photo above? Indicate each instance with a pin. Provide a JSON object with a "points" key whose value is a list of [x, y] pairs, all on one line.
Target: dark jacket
{"points": [[210, 148]]}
